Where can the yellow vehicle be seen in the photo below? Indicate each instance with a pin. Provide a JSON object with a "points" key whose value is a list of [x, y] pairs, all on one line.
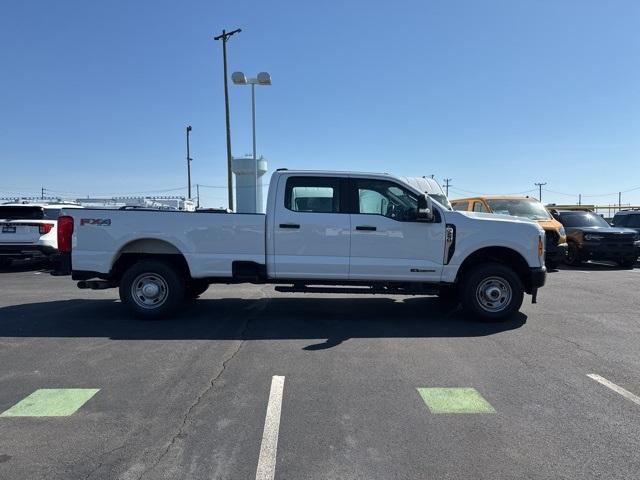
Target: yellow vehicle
{"points": [[524, 207]]}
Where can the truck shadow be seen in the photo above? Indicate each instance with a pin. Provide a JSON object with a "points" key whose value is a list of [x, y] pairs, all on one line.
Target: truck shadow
{"points": [[328, 321]]}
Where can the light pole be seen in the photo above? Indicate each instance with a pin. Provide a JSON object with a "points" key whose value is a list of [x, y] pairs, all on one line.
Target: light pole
{"points": [[225, 37], [263, 78], [188, 165]]}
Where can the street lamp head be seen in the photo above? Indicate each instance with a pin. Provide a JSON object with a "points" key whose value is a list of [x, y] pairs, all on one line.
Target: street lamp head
{"points": [[264, 78], [238, 78], [189, 128]]}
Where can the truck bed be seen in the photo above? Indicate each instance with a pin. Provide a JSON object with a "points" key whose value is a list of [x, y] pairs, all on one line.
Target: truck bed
{"points": [[209, 241]]}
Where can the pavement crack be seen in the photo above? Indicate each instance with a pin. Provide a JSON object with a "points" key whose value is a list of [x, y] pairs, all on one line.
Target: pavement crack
{"points": [[101, 461], [212, 382], [572, 342]]}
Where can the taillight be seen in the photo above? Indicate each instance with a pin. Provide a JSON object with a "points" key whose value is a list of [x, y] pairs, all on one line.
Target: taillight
{"points": [[45, 228], [65, 232]]}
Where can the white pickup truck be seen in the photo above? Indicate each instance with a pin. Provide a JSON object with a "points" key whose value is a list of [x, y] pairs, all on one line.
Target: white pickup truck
{"points": [[323, 232]]}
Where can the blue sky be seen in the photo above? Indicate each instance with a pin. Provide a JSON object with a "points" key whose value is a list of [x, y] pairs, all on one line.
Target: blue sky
{"points": [[497, 95]]}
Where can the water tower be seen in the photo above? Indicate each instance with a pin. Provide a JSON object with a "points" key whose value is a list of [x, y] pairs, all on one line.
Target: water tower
{"points": [[249, 173]]}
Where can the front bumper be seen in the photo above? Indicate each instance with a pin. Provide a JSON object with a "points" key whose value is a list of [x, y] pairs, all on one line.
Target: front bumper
{"points": [[599, 251], [537, 279], [556, 253]]}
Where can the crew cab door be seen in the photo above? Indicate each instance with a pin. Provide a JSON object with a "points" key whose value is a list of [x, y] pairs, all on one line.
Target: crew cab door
{"points": [[311, 232], [388, 242]]}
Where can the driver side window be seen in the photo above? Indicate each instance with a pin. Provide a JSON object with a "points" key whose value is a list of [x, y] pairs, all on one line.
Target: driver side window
{"points": [[381, 197]]}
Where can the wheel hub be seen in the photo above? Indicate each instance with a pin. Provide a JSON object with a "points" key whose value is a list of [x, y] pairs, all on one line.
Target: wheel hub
{"points": [[149, 290], [494, 294]]}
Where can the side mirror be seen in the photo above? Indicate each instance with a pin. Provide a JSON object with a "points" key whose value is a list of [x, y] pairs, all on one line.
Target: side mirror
{"points": [[425, 209]]}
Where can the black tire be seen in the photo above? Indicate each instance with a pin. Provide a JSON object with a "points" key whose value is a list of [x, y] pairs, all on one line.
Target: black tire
{"points": [[573, 255], [628, 262], [195, 288], [152, 274], [551, 264], [479, 287]]}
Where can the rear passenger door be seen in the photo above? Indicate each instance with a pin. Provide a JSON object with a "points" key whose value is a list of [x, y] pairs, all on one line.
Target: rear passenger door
{"points": [[311, 233]]}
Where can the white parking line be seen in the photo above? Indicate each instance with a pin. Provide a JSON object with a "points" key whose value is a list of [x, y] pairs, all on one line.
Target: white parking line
{"points": [[625, 393], [268, 448]]}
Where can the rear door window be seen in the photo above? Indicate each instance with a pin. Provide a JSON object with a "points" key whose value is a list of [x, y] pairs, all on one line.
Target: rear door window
{"points": [[312, 194]]}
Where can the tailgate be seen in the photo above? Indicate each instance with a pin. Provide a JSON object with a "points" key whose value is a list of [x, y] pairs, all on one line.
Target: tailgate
{"points": [[19, 232]]}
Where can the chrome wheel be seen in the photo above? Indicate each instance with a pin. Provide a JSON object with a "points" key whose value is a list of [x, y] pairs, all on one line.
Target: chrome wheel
{"points": [[149, 290], [494, 294]]}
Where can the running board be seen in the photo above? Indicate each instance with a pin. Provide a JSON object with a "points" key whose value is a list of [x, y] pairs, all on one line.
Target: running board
{"points": [[365, 290]]}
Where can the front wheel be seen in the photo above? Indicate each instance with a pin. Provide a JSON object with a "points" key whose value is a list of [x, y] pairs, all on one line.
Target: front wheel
{"points": [[491, 292], [152, 289], [573, 255]]}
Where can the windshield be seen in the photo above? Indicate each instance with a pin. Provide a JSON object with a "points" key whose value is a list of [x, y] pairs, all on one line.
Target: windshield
{"points": [[19, 212], [530, 209], [582, 219]]}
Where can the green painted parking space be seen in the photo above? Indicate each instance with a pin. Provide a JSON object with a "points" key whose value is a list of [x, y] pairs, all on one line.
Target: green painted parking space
{"points": [[51, 402], [455, 400]]}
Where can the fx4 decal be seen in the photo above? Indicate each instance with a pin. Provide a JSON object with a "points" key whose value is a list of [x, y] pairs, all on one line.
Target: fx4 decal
{"points": [[95, 221]]}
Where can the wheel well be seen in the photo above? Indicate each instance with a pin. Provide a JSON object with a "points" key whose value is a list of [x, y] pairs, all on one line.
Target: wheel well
{"points": [[503, 255], [148, 248]]}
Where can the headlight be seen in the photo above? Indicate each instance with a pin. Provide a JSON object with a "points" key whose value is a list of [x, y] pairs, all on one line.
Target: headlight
{"points": [[562, 232], [591, 237]]}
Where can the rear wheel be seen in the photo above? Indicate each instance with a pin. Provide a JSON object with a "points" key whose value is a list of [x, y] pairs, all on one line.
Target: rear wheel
{"points": [[152, 289], [492, 292]]}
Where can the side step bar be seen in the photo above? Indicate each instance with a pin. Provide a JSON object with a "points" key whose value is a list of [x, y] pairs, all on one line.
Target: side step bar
{"points": [[365, 290], [96, 284]]}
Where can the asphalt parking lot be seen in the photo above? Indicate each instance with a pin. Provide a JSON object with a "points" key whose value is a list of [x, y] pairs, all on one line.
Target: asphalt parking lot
{"points": [[371, 387]]}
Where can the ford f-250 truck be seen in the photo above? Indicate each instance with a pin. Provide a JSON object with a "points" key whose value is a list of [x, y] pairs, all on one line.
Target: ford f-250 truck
{"points": [[323, 232]]}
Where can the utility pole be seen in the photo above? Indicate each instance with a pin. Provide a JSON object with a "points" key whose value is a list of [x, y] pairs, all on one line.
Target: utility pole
{"points": [[619, 199], [579, 199], [224, 37], [188, 165], [447, 184], [42, 193], [540, 185], [198, 194]]}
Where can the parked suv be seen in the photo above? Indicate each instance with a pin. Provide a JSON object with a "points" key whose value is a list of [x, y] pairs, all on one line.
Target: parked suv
{"points": [[590, 237], [627, 219], [29, 230], [523, 207]]}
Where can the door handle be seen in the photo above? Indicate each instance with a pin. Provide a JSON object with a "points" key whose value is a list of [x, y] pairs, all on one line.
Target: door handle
{"points": [[289, 225], [366, 228]]}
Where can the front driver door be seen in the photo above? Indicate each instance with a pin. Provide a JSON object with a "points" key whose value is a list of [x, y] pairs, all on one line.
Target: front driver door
{"points": [[387, 240]]}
